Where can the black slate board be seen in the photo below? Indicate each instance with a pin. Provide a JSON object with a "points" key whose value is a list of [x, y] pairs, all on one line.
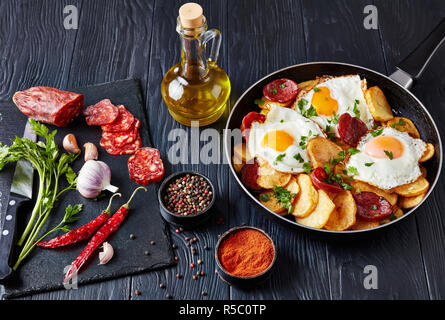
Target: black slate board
{"points": [[43, 269]]}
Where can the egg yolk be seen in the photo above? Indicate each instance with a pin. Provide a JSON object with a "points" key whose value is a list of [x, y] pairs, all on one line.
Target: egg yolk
{"points": [[323, 102], [384, 147], [278, 140]]}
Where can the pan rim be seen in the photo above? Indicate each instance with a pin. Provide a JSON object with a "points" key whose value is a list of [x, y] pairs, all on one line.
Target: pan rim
{"points": [[332, 232]]}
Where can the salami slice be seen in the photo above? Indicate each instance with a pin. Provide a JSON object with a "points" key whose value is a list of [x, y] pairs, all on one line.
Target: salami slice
{"points": [[146, 166], [351, 129], [123, 122], [119, 139], [372, 207], [103, 112], [129, 148], [49, 105], [281, 90]]}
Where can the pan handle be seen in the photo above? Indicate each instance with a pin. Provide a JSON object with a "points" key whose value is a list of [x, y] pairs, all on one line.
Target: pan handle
{"points": [[415, 63]]}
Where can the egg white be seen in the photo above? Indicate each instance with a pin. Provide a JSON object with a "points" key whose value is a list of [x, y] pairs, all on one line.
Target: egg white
{"points": [[295, 125], [384, 172], [345, 90]]}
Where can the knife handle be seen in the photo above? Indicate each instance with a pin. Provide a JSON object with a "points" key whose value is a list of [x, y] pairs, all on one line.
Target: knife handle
{"points": [[7, 234]]}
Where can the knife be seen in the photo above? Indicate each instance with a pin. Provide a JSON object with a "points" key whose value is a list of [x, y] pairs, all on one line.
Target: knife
{"points": [[21, 192]]}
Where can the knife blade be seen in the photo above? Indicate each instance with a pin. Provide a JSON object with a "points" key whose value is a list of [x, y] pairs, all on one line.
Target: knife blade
{"points": [[20, 192]]}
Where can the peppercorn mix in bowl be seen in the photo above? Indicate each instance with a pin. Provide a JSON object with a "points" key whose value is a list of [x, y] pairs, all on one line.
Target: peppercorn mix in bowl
{"points": [[245, 256], [186, 198]]}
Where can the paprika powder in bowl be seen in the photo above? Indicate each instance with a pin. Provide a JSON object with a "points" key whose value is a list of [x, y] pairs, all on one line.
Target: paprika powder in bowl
{"points": [[245, 256]]}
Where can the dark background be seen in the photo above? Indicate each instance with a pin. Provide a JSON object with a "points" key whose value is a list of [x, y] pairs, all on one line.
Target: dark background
{"points": [[122, 39]]}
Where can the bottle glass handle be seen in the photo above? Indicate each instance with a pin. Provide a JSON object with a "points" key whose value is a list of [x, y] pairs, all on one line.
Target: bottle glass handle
{"points": [[215, 35]]}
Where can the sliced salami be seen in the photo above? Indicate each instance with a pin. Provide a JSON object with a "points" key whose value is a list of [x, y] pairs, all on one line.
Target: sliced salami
{"points": [[281, 90], [123, 122], [102, 113], [119, 139], [146, 166], [129, 148], [49, 105]]}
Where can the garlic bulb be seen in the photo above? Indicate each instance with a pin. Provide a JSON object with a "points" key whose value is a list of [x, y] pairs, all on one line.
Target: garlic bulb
{"points": [[94, 177], [107, 254]]}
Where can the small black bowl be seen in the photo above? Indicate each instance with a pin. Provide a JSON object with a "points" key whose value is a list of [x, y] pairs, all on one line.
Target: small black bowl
{"points": [[190, 220], [244, 282]]}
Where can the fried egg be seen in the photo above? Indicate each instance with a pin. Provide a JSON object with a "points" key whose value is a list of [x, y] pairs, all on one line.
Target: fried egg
{"points": [[281, 140], [387, 158], [327, 101]]}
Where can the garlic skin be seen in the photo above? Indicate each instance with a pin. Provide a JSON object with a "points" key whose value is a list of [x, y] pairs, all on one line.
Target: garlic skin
{"points": [[93, 178], [107, 254], [91, 152], [70, 143]]}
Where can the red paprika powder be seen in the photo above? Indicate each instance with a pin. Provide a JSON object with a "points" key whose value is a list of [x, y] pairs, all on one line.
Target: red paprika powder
{"points": [[246, 252]]}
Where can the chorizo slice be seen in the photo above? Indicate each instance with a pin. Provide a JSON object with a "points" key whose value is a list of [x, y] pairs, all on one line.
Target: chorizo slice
{"points": [[103, 112], [123, 122], [145, 166]]}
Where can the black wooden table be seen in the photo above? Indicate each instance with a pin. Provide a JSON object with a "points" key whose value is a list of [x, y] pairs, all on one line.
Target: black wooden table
{"points": [[122, 39]]}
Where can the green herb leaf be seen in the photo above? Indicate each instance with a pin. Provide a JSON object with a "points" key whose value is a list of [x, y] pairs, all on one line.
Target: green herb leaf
{"points": [[259, 102], [307, 167], [400, 123], [352, 151], [284, 197], [283, 85], [299, 158], [265, 197], [377, 132], [315, 89], [374, 207], [368, 164], [274, 91], [355, 109], [389, 154], [280, 157], [352, 170]]}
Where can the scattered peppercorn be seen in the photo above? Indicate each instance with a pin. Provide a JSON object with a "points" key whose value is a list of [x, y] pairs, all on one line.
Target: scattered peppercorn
{"points": [[188, 195], [192, 265], [195, 239], [187, 239], [169, 296], [206, 247], [202, 274], [132, 236], [193, 251], [161, 285], [200, 261], [153, 243], [195, 278], [147, 253], [176, 258], [174, 246], [137, 292], [178, 275], [204, 293]]}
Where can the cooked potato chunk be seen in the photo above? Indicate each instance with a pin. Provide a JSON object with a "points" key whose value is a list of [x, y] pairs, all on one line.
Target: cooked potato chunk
{"points": [[268, 199], [266, 104], [428, 154], [307, 199], [321, 150], [411, 202], [413, 189], [343, 217], [320, 216], [397, 213], [359, 186], [237, 164], [404, 125], [241, 152], [378, 105], [361, 224], [268, 177]]}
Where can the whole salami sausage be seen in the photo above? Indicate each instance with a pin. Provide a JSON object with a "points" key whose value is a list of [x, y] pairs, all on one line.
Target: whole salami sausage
{"points": [[49, 105]]}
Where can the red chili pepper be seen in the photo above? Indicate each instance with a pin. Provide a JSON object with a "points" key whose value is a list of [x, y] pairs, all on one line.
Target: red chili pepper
{"points": [[100, 236], [81, 233]]}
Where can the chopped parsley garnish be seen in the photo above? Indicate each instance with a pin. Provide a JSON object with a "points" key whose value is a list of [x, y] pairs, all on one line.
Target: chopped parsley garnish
{"points": [[316, 89], [374, 207], [283, 197], [358, 190], [304, 139], [355, 109], [258, 102], [377, 132], [265, 197], [400, 123], [327, 168], [334, 118], [341, 157], [281, 120], [307, 167], [283, 85], [330, 133], [274, 91], [280, 157], [310, 112], [352, 151], [299, 158], [352, 170], [389, 154], [368, 164]]}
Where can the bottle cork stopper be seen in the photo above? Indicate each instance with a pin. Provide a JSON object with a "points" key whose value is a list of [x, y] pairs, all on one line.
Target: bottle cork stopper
{"points": [[190, 15]]}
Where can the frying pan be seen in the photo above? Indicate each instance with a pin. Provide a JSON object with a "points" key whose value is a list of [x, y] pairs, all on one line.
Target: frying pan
{"points": [[396, 89]]}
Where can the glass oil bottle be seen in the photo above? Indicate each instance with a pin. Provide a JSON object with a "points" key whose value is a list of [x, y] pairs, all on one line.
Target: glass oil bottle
{"points": [[196, 89]]}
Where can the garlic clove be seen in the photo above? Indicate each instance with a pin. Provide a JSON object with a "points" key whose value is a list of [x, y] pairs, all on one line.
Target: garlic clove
{"points": [[93, 177], [106, 254], [91, 152], [70, 143]]}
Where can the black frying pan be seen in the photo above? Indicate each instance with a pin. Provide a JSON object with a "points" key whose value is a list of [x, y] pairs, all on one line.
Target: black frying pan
{"points": [[396, 89]]}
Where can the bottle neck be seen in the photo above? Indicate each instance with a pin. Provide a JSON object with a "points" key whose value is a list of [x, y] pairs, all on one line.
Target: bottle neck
{"points": [[193, 60]]}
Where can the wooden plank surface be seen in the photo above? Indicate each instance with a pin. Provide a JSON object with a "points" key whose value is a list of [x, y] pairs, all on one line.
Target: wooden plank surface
{"points": [[429, 89], [121, 39]]}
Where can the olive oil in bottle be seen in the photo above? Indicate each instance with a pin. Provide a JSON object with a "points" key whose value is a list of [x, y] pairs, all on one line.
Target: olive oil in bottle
{"points": [[196, 89]]}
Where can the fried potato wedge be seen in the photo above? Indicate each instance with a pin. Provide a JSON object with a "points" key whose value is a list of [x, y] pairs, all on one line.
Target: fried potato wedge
{"points": [[264, 111], [413, 189], [308, 85], [320, 215], [424, 172], [363, 186], [321, 150], [396, 212], [378, 105], [404, 125], [307, 199], [273, 204], [237, 164], [241, 152], [268, 177], [361, 224], [266, 104], [411, 202], [343, 216], [428, 154]]}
